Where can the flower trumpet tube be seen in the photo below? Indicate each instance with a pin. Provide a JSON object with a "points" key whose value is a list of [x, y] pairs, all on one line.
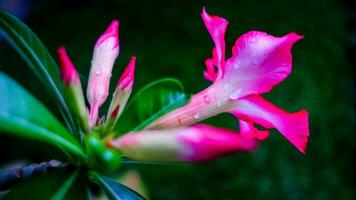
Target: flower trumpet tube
{"points": [[105, 53], [259, 62], [192, 144], [121, 93], [73, 89]]}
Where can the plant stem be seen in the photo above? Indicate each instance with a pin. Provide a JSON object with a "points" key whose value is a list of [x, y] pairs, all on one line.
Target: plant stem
{"points": [[11, 177]]}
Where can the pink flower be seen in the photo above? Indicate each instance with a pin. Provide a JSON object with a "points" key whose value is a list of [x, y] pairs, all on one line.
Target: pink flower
{"points": [[105, 53], [259, 62], [193, 144]]}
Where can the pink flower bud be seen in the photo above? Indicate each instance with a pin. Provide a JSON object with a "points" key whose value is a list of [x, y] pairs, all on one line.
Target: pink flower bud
{"points": [[105, 53], [193, 144], [121, 93], [73, 89], [127, 78], [69, 74]]}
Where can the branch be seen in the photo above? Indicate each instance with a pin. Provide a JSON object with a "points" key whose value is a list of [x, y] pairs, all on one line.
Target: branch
{"points": [[11, 177]]}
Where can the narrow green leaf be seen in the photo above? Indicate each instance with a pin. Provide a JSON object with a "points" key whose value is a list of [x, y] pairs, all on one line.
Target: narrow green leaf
{"points": [[115, 190], [24, 116], [151, 102], [63, 190], [35, 54], [57, 184]]}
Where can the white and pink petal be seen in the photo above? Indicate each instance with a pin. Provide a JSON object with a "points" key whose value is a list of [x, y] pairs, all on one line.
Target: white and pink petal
{"points": [[105, 53]]}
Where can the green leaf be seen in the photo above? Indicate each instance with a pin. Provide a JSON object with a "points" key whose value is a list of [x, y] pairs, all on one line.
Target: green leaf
{"points": [[115, 190], [63, 189], [35, 54], [151, 102], [54, 185], [24, 116]]}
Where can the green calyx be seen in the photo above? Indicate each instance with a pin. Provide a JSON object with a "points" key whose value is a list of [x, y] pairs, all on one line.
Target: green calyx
{"points": [[101, 158]]}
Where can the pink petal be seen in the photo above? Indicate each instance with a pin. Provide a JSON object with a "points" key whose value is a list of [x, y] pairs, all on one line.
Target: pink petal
{"points": [[111, 31], [105, 53], [259, 61], [247, 130], [127, 78], [121, 94], [68, 72], [293, 126], [216, 27]]}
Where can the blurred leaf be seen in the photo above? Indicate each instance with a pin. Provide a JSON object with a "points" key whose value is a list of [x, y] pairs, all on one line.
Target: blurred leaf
{"points": [[152, 101], [24, 116], [35, 54], [115, 190], [133, 180], [55, 185]]}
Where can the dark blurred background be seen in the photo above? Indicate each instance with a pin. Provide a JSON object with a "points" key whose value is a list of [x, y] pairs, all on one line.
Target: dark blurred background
{"points": [[170, 40]]}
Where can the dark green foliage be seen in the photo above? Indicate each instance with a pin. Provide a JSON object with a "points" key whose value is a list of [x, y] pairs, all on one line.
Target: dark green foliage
{"points": [[117, 191], [24, 116], [151, 102], [37, 57], [55, 185]]}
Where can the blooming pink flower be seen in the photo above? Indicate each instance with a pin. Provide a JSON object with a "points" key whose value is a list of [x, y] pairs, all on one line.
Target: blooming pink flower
{"points": [[105, 53], [193, 144], [259, 62]]}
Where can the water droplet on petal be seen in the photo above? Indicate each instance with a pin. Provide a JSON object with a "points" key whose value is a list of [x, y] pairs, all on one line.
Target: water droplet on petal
{"points": [[98, 72], [196, 116], [237, 64], [206, 99], [235, 94], [219, 103]]}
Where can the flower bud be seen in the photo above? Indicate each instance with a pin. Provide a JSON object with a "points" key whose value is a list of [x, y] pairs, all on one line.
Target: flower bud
{"points": [[73, 89], [105, 53], [121, 93], [193, 144]]}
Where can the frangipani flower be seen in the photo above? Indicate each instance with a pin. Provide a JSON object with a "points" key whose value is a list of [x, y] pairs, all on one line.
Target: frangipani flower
{"points": [[259, 62]]}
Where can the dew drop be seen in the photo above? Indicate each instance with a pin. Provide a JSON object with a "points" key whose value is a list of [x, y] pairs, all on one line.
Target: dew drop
{"points": [[237, 64], [98, 72], [196, 116], [206, 99], [236, 94], [219, 103]]}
